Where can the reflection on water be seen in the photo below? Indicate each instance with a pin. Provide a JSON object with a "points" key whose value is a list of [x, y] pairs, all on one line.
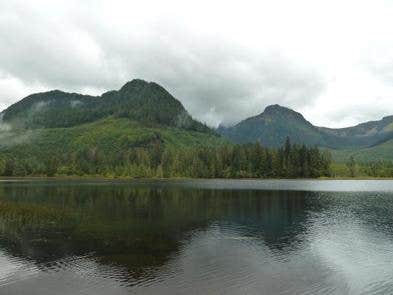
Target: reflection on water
{"points": [[187, 237]]}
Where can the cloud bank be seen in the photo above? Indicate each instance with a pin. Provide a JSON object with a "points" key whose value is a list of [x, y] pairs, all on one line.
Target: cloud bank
{"points": [[224, 60]]}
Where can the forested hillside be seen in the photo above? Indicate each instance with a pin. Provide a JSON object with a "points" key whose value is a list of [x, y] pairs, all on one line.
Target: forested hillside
{"points": [[276, 123], [121, 148], [139, 131], [138, 100]]}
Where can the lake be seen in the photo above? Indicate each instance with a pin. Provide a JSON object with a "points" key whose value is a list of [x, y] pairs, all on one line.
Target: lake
{"points": [[196, 237]]}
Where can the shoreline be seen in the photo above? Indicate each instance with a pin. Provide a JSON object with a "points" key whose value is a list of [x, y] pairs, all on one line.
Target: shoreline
{"points": [[103, 178]]}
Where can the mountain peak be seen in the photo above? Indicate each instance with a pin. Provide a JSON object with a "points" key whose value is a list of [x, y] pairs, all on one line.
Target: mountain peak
{"points": [[134, 84], [276, 108], [272, 127], [278, 111]]}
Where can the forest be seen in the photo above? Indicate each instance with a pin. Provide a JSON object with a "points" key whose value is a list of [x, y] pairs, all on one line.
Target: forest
{"points": [[155, 160], [142, 131], [359, 169]]}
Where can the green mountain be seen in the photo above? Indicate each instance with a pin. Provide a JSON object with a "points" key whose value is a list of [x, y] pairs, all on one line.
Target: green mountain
{"points": [[137, 115], [141, 130], [138, 100], [132, 132], [276, 123], [272, 127]]}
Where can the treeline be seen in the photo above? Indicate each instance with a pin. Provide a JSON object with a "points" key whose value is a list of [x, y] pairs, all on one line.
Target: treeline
{"points": [[377, 169], [227, 161], [353, 168]]}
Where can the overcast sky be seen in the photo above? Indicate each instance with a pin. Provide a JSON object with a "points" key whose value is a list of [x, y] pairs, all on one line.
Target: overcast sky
{"points": [[224, 60]]}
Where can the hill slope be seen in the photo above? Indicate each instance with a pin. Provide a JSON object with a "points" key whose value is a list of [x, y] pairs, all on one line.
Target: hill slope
{"points": [[138, 100], [110, 136], [132, 131], [272, 127], [380, 152], [276, 123]]}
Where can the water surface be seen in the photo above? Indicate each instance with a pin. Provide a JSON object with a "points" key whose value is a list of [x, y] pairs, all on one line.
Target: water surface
{"points": [[196, 237]]}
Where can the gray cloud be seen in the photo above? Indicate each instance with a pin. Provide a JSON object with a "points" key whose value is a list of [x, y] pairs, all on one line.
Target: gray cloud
{"points": [[51, 51], [223, 69], [381, 69], [218, 81]]}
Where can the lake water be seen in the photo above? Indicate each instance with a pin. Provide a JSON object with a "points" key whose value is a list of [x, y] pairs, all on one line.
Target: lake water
{"points": [[196, 237]]}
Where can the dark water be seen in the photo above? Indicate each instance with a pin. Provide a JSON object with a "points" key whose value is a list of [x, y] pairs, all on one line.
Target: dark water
{"points": [[196, 237]]}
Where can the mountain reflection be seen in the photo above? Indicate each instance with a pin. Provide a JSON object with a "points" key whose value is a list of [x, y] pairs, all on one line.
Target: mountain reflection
{"points": [[139, 227]]}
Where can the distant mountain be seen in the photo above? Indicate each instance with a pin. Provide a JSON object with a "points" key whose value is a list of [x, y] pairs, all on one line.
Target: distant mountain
{"points": [[138, 100], [272, 127], [143, 114], [367, 129], [276, 123]]}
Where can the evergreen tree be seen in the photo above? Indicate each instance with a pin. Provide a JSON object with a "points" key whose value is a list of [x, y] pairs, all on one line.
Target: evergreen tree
{"points": [[351, 165], [250, 160]]}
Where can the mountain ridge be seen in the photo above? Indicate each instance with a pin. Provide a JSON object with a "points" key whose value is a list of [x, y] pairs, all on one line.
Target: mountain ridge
{"points": [[140, 130], [151, 106], [276, 123], [139, 100]]}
